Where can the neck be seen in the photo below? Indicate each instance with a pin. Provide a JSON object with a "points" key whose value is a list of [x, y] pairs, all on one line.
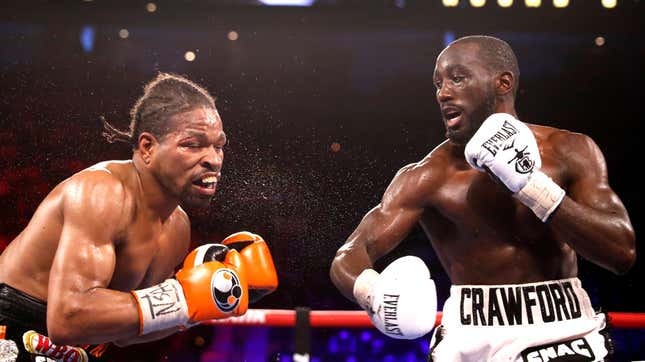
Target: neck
{"points": [[506, 107], [153, 195]]}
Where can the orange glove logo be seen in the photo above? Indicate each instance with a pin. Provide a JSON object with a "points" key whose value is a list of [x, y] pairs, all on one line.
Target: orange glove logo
{"points": [[226, 289]]}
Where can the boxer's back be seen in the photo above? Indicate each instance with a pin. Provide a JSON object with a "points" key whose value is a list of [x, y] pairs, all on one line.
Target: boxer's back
{"points": [[482, 235], [26, 262]]}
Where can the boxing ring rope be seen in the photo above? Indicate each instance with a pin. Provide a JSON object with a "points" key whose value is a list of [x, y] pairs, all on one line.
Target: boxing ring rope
{"points": [[359, 319]]}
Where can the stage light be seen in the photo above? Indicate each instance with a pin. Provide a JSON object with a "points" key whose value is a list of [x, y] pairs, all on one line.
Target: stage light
{"points": [[450, 3], [505, 3], [609, 4], [560, 3], [448, 37], [151, 7], [233, 35], [124, 33], [533, 3], [600, 41], [477, 3], [189, 56], [87, 38], [287, 2]]}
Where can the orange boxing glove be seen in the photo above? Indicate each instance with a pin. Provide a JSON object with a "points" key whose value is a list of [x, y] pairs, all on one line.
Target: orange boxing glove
{"points": [[205, 253], [201, 291], [262, 276]]}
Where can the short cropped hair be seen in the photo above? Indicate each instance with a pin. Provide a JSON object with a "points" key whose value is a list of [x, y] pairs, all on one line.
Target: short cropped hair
{"points": [[496, 53]]}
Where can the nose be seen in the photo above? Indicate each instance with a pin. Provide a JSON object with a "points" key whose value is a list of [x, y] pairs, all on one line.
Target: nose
{"points": [[444, 93], [213, 159]]}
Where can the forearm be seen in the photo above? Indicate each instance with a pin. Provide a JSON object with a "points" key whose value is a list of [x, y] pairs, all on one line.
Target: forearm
{"points": [[602, 237], [96, 316], [349, 262]]}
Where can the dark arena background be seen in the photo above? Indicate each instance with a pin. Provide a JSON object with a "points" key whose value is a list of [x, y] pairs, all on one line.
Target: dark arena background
{"points": [[322, 104]]}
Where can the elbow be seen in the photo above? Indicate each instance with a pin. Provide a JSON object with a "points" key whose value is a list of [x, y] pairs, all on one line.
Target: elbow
{"points": [[341, 277], [62, 325], [334, 271], [627, 255], [626, 262]]}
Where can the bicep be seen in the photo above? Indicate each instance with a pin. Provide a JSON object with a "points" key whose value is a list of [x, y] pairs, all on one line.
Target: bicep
{"points": [[84, 260], [588, 183], [85, 257], [386, 225]]}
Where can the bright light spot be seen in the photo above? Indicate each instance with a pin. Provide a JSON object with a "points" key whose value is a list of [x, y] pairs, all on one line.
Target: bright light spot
{"points": [[335, 147], [448, 37], [600, 41], [533, 3], [189, 56], [151, 7], [87, 38], [560, 3], [450, 3], [287, 2], [124, 33], [477, 3], [233, 35], [609, 4], [199, 341], [505, 3]]}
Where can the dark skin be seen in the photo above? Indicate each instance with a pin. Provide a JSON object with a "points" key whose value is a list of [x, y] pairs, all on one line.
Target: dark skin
{"points": [[480, 233], [115, 227]]}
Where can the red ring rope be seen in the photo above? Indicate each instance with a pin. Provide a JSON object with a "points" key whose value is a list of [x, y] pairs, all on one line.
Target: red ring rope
{"points": [[359, 319]]}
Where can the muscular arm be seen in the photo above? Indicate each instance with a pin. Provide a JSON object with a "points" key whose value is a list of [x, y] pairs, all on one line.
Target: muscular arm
{"points": [[183, 233], [591, 217], [382, 229], [80, 308]]}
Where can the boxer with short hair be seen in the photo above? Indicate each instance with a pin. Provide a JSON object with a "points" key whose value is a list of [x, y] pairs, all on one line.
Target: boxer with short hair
{"points": [[507, 207], [97, 261]]}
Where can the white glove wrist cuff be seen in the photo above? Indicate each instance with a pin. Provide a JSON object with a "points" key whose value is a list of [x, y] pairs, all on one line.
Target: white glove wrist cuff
{"points": [[541, 194], [364, 285], [161, 307]]}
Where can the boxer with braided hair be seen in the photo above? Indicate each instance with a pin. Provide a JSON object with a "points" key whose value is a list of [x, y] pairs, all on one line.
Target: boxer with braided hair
{"points": [[96, 263]]}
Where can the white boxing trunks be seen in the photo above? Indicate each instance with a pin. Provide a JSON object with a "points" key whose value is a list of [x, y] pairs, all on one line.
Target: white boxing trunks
{"points": [[545, 321]]}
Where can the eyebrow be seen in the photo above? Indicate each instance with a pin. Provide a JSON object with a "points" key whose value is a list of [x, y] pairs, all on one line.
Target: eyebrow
{"points": [[202, 135]]}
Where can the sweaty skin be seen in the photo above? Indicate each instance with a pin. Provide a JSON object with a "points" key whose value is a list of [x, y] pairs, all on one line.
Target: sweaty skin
{"points": [[112, 228], [479, 232]]}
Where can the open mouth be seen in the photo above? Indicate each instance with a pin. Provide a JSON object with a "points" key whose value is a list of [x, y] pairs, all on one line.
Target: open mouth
{"points": [[206, 184], [452, 117]]}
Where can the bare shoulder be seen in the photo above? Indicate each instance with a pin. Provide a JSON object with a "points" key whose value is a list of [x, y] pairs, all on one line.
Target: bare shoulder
{"points": [[419, 180], [564, 143], [98, 192]]}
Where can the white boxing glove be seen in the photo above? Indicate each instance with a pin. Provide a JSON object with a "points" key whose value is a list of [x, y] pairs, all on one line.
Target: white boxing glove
{"points": [[506, 147], [402, 300]]}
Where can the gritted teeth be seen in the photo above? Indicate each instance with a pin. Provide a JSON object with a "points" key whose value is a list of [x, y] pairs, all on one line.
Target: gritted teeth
{"points": [[209, 179]]}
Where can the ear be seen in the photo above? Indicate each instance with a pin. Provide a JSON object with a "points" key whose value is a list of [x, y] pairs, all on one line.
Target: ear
{"points": [[504, 83], [146, 144]]}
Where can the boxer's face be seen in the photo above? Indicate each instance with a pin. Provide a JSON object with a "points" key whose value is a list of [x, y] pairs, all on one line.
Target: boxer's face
{"points": [[189, 158], [464, 91]]}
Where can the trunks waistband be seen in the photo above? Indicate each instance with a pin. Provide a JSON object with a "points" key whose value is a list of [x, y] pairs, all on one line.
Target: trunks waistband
{"points": [[517, 304], [21, 307]]}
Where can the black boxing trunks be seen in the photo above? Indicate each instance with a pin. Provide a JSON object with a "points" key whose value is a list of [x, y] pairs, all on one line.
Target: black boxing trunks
{"points": [[25, 322], [537, 322]]}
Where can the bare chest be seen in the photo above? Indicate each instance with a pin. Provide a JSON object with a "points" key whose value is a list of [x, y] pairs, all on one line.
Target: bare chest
{"points": [[148, 255], [472, 212]]}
